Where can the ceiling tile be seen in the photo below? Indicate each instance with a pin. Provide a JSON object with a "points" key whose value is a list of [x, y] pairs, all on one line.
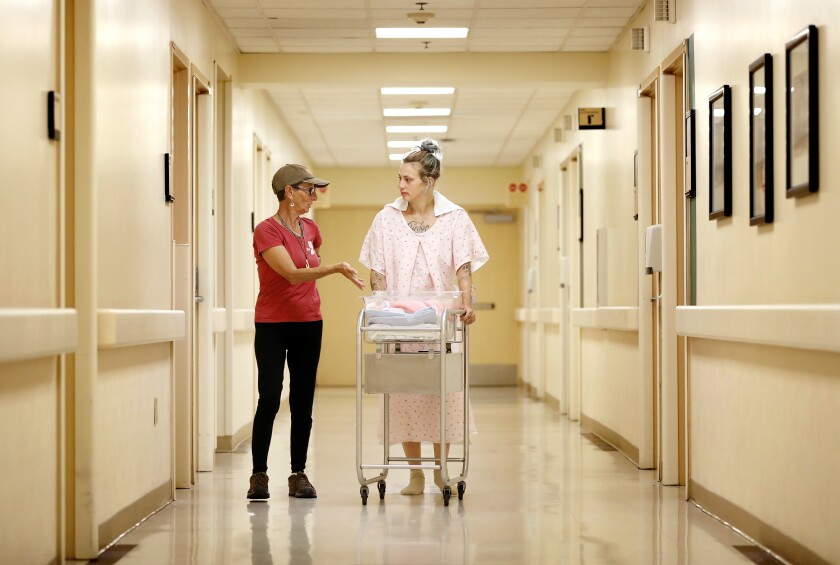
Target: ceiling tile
{"points": [[310, 14], [342, 125], [611, 12], [234, 3], [312, 23], [244, 23], [239, 13]]}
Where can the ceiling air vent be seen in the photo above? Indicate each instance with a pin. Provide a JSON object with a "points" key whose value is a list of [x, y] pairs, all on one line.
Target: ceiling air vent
{"points": [[639, 39], [567, 122], [558, 135], [663, 11]]}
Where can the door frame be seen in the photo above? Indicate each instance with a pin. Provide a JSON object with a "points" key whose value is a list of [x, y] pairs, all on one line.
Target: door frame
{"points": [[676, 202], [647, 131], [204, 419], [571, 198], [663, 107]]}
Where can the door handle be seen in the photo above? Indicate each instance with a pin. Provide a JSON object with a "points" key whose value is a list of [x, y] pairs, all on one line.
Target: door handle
{"points": [[198, 299]]}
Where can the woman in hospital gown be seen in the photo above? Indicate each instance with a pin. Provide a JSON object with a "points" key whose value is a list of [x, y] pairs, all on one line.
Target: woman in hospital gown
{"points": [[423, 242]]}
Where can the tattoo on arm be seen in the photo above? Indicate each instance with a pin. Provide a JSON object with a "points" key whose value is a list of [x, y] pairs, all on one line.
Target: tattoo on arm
{"points": [[377, 281], [465, 273]]}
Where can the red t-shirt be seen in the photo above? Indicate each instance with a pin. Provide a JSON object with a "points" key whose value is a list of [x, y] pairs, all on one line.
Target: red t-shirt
{"points": [[279, 300]]}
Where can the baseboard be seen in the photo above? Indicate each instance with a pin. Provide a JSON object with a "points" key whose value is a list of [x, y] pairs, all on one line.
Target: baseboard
{"points": [[492, 375], [229, 444], [754, 528], [610, 436], [126, 519], [552, 402]]}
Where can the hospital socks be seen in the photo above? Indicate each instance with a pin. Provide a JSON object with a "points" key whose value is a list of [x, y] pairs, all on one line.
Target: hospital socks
{"points": [[416, 483]]}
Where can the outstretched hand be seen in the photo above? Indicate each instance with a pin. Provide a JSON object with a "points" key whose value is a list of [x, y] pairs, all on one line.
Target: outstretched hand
{"points": [[351, 274]]}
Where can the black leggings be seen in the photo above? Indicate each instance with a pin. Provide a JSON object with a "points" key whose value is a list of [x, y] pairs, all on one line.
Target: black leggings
{"points": [[302, 341]]}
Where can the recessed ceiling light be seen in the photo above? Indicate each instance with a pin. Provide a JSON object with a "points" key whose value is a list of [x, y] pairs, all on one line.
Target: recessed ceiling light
{"points": [[403, 144], [396, 156], [421, 90], [411, 112], [422, 33], [416, 129]]}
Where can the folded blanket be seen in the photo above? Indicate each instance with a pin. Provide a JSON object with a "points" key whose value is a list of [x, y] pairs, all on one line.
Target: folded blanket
{"points": [[409, 305], [391, 318]]}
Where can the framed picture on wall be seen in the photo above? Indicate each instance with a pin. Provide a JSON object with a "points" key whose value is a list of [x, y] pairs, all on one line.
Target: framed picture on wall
{"points": [[802, 104], [761, 140], [720, 153]]}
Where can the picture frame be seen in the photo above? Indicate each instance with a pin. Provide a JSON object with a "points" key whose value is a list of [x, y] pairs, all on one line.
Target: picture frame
{"points": [[802, 119], [761, 140], [720, 153]]}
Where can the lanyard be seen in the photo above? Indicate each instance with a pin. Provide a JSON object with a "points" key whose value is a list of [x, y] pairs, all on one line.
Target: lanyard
{"points": [[300, 238]]}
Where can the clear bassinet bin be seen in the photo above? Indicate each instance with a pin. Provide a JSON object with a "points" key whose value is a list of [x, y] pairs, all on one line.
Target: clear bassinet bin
{"points": [[421, 347], [392, 317]]}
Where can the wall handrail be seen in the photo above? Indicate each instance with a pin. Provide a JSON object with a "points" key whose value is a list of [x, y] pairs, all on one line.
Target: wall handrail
{"points": [[799, 326], [126, 327], [620, 318], [34, 333]]}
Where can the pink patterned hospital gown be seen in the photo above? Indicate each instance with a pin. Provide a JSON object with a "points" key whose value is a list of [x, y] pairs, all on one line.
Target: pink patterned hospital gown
{"points": [[413, 262]]}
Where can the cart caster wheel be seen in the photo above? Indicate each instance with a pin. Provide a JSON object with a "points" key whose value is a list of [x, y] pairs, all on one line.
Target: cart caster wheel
{"points": [[447, 493], [462, 486], [364, 492], [381, 487]]}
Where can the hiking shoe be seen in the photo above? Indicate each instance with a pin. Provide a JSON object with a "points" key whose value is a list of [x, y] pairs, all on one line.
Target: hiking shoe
{"points": [[300, 487], [259, 486]]}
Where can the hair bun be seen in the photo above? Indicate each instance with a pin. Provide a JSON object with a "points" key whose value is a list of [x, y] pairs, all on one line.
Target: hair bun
{"points": [[429, 145]]}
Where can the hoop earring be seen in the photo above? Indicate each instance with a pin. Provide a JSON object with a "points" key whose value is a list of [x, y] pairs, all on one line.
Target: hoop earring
{"points": [[291, 204]]}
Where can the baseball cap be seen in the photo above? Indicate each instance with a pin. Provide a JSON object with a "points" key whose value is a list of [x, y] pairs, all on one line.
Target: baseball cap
{"points": [[292, 175]]}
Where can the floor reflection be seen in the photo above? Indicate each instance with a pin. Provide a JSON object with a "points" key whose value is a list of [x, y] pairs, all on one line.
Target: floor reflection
{"points": [[417, 532], [260, 543], [537, 493]]}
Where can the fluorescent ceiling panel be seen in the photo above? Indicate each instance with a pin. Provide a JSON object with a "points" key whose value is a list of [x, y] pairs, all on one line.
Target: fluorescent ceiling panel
{"points": [[415, 112], [422, 33], [416, 129], [424, 90]]}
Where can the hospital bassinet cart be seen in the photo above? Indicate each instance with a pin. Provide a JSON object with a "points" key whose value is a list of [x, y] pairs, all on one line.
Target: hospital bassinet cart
{"points": [[397, 367]]}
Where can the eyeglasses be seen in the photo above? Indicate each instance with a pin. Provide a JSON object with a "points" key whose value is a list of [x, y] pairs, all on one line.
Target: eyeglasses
{"points": [[310, 189]]}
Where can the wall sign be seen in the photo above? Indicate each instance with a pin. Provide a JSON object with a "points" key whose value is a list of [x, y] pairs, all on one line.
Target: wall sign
{"points": [[591, 118]]}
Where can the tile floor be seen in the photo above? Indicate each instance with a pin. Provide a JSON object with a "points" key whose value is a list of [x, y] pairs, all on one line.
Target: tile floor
{"points": [[537, 492]]}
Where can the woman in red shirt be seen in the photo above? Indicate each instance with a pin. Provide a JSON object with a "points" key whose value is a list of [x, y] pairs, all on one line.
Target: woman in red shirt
{"points": [[288, 322]]}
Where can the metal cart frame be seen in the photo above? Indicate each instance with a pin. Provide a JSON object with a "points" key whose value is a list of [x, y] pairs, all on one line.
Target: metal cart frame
{"points": [[448, 332]]}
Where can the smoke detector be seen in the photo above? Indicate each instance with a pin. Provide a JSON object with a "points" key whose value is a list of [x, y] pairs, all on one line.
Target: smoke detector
{"points": [[422, 16]]}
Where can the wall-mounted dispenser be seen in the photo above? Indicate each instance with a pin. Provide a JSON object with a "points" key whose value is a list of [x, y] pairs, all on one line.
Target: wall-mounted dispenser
{"points": [[653, 249]]}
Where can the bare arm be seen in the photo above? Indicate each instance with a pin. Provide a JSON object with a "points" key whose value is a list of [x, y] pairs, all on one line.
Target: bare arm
{"points": [[464, 275], [377, 281], [279, 260]]}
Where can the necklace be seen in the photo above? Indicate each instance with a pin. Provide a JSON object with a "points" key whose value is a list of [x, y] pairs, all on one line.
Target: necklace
{"points": [[300, 238]]}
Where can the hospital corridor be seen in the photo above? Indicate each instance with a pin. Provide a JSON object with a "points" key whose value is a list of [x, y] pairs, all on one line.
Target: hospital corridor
{"points": [[244, 241]]}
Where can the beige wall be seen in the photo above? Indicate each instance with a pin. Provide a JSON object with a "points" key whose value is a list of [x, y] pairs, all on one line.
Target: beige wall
{"points": [[782, 390], [31, 265], [132, 74], [30, 489]]}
